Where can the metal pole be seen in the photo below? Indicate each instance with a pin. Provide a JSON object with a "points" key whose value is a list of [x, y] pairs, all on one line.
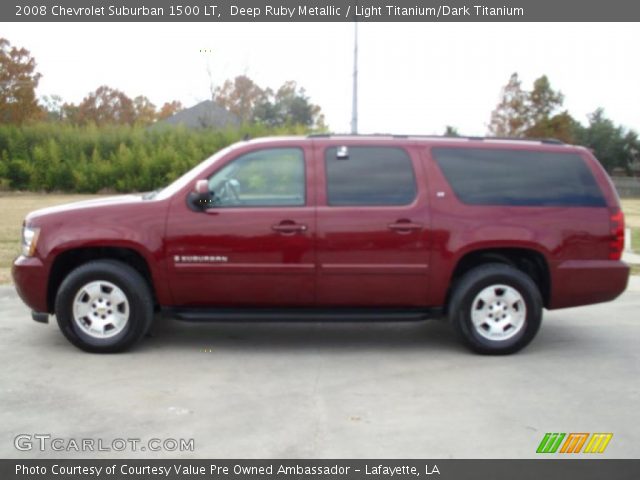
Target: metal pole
{"points": [[354, 106]]}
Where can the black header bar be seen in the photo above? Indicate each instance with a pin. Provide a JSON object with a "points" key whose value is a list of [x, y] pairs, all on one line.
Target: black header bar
{"points": [[319, 11], [547, 469]]}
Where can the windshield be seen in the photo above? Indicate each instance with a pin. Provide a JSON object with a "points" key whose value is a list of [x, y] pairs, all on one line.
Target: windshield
{"points": [[191, 175]]}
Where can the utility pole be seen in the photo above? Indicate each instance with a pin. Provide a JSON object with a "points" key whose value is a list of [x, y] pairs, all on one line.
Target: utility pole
{"points": [[354, 106]]}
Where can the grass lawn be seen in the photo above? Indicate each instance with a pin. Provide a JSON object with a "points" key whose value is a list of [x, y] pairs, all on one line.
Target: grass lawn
{"points": [[631, 209], [14, 207], [635, 240]]}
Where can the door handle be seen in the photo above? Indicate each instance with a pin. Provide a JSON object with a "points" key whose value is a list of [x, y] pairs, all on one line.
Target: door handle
{"points": [[404, 226], [289, 228]]}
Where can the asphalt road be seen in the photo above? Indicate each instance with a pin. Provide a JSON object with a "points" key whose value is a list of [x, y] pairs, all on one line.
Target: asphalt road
{"points": [[325, 390]]}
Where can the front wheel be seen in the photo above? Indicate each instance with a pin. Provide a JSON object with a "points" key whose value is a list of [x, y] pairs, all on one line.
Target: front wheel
{"points": [[104, 306], [496, 309]]}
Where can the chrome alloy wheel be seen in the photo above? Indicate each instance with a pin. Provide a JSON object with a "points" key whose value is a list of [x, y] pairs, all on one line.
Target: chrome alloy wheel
{"points": [[498, 312], [101, 309]]}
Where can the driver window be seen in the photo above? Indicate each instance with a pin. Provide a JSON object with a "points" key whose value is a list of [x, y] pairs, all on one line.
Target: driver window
{"points": [[264, 178]]}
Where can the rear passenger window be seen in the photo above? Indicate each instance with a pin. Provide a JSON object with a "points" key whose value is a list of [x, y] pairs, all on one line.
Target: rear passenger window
{"points": [[518, 177], [369, 176]]}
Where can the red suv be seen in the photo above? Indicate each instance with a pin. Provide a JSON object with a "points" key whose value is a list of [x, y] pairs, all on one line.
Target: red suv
{"points": [[484, 231]]}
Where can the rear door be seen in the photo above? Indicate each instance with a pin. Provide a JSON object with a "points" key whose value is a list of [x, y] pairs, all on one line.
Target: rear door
{"points": [[372, 224]]}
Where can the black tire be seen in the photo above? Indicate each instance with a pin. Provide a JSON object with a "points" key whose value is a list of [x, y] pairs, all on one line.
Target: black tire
{"points": [[466, 297], [136, 292]]}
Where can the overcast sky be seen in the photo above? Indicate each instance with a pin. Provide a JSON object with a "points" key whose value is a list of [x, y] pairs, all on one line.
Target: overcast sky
{"points": [[414, 78]]}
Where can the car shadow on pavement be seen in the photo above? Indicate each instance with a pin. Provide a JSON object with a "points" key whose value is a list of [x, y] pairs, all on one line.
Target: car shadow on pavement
{"points": [[557, 335], [292, 335]]}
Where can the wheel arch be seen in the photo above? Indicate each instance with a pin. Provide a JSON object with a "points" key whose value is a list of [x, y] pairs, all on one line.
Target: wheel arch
{"points": [[67, 261], [528, 260]]}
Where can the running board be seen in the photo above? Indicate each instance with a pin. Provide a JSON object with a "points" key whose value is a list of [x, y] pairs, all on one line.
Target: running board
{"points": [[301, 314]]}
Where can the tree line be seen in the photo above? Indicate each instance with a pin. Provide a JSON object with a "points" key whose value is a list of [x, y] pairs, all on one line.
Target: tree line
{"points": [[250, 103], [112, 158], [538, 113], [105, 141]]}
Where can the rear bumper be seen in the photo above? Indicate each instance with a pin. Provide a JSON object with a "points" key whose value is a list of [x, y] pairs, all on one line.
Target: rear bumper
{"points": [[30, 279], [583, 282]]}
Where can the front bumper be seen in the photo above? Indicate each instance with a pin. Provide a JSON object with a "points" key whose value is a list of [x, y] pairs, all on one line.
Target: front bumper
{"points": [[30, 277]]}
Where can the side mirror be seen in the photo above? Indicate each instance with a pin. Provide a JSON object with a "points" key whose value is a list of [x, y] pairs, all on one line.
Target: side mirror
{"points": [[200, 197], [201, 187]]}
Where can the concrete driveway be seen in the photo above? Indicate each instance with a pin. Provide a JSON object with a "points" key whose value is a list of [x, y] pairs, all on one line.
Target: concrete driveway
{"points": [[326, 390]]}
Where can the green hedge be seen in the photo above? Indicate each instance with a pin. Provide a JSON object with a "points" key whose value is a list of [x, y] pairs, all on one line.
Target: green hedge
{"points": [[58, 157]]}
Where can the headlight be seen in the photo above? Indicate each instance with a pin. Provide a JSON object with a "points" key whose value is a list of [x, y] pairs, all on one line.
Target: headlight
{"points": [[29, 240]]}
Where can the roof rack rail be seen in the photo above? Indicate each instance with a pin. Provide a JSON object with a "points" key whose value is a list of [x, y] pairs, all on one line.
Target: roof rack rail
{"points": [[550, 141]]}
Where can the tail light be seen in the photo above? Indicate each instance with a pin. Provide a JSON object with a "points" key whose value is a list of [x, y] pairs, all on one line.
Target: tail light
{"points": [[616, 244]]}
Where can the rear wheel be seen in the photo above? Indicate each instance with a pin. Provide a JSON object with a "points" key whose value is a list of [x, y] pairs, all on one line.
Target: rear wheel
{"points": [[104, 306], [496, 309]]}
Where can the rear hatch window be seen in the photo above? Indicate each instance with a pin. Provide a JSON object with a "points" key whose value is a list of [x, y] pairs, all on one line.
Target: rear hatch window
{"points": [[519, 177]]}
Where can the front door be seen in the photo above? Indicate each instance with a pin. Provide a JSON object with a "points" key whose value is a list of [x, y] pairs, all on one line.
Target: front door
{"points": [[253, 244], [372, 248]]}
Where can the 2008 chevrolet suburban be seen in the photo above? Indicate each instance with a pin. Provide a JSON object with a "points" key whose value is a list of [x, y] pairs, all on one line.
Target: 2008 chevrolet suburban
{"points": [[485, 231]]}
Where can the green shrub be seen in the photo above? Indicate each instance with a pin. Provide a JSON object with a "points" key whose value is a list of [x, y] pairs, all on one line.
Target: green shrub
{"points": [[60, 157]]}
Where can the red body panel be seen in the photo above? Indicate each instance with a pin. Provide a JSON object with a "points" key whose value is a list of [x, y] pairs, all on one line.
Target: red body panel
{"points": [[125, 222], [30, 276], [361, 261], [264, 268], [558, 233], [345, 256]]}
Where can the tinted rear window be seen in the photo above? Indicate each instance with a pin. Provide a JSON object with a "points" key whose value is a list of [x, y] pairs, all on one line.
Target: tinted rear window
{"points": [[517, 177], [370, 176]]}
